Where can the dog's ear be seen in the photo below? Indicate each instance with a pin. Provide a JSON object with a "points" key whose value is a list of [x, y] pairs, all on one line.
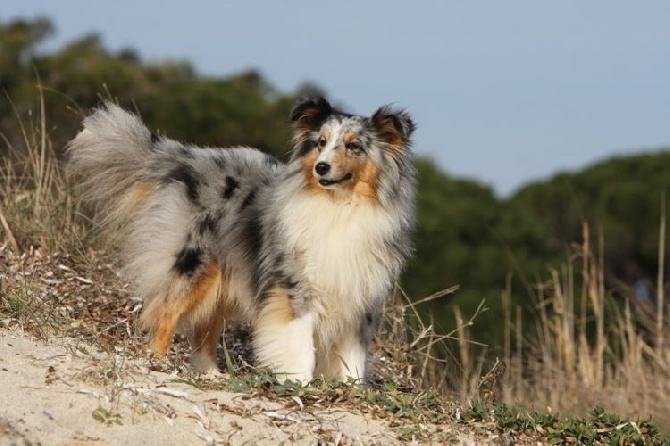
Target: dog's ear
{"points": [[308, 114], [393, 126]]}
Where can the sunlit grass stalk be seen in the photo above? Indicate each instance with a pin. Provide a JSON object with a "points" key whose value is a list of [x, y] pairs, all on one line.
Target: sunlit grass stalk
{"points": [[660, 285]]}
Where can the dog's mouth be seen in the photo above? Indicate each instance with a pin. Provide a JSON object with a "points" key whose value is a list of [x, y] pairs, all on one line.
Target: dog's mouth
{"points": [[325, 183]]}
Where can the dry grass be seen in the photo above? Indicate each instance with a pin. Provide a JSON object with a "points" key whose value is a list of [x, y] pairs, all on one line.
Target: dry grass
{"points": [[36, 204], [584, 349]]}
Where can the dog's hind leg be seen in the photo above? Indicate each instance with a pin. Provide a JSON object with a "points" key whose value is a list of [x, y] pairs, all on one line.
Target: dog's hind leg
{"points": [[204, 339], [164, 319], [165, 328], [283, 340]]}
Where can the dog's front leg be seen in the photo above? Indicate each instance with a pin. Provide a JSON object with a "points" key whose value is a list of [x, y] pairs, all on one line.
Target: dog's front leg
{"points": [[352, 349], [283, 340]]}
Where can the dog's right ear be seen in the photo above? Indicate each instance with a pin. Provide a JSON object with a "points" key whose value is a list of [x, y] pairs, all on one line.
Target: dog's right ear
{"points": [[308, 114]]}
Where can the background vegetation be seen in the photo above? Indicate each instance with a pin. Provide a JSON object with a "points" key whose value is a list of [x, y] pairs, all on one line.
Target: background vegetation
{"points": [[518, 254]]}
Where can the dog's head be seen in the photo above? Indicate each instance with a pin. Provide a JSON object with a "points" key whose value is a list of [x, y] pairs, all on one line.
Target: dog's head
{"points": [[349, 153]]}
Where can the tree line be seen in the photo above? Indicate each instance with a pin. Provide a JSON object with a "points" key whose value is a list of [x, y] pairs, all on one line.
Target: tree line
{"points": [[466, 235]]}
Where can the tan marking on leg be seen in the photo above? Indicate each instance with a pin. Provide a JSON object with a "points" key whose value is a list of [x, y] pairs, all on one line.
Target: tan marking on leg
{"points": [[205, 338], [283, 341], [177, 306], [277, 308], [162, 338]]}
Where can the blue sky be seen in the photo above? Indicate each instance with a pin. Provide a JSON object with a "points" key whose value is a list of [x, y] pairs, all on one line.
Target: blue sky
{"points": [[505, 92]]}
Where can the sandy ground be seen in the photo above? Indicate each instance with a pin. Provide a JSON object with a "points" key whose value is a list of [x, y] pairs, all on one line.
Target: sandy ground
{"points": [[64, 392]]}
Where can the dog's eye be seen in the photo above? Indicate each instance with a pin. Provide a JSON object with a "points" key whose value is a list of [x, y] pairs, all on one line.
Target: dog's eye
{"points": [[322, 142], [354, 148]]}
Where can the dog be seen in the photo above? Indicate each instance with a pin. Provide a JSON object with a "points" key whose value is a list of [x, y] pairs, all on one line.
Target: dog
{"points": [[306, 251]]}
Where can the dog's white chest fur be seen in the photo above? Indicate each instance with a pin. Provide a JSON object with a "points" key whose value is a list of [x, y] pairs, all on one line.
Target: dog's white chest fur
{"points": [[339, 248]]}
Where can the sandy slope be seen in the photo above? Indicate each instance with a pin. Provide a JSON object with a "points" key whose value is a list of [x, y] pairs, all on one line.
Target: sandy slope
{"points": [[66, 393]]}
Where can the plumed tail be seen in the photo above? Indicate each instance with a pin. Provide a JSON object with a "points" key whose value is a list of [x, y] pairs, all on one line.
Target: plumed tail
{"points": [[111, 156]]}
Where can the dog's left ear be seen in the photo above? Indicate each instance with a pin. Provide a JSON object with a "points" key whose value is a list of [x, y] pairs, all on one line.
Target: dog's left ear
{"points": [[394, 126], [308, 114]]}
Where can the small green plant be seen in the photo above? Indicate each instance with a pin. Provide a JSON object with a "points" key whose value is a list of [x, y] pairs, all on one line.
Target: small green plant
{"points": [[106, 416], [30, 311], [598, 427]]}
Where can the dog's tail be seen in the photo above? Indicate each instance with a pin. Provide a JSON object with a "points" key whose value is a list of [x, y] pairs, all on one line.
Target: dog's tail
{"points": [[142, 189], [113, 156]]}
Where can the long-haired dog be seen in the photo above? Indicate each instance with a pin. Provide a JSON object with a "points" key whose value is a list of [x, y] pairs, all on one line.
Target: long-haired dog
{"points": [[306, 251]]}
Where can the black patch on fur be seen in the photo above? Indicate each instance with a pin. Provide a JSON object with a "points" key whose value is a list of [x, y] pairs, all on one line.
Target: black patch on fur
{"points": [[248, 200], [253, 236], [367, 329], [265, 293], [311, 111], [289, 283], [231, 185], [188, 260], [396, 123], [154, 138], [306, 147], [369, 319], [400, 120], [185, 152], [207, 224], [255, 232], [185, 174]]}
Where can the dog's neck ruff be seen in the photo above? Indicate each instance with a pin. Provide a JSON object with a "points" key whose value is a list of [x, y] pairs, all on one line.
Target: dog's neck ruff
{"points": [[339, 244]]}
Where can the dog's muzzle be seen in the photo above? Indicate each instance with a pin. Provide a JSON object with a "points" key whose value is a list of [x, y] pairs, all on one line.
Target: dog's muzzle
{"points": [[322, 168], [325, 182]]}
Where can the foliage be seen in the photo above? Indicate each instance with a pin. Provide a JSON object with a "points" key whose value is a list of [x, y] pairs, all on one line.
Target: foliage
{"points": [[468, 237], [623, 197], [172, 98]]}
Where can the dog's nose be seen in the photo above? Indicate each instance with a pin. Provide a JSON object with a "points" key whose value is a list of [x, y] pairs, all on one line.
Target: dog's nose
{"points": [[322, 168]]}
